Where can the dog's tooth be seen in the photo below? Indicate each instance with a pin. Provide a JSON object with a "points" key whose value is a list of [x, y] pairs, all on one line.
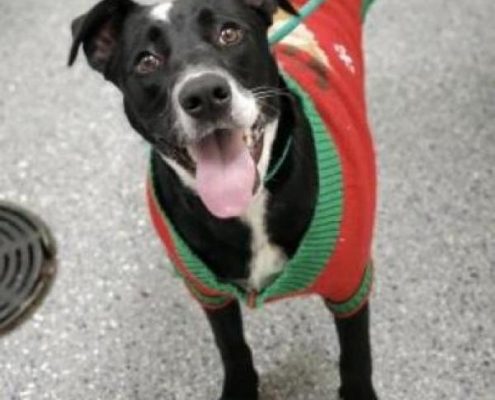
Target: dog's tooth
{"points": [[248, 139]]}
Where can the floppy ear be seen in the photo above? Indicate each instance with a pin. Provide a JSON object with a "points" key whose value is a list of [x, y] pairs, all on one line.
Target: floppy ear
{"points": [[99, 31], [268, 8]]}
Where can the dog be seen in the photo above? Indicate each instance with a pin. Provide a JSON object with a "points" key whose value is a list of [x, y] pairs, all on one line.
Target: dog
{"points": [[262, 176]]}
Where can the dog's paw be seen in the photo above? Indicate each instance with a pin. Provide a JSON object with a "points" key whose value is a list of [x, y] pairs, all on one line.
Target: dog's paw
{"points": [[357, 393], [240, 397], [240, 384], [240, 394]]}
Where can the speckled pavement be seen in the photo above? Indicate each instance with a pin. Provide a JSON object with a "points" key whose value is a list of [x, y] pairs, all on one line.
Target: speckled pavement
{"points": [[117, 326]]}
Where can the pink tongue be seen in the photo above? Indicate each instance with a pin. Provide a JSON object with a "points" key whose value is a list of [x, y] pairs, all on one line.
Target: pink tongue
{"points": [[225, 174]]}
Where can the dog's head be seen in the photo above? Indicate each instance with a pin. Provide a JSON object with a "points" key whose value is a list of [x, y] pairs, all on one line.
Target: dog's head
{"points": [[199, 83]]}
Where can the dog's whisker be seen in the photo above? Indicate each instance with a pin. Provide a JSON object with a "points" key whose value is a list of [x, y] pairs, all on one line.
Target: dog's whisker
{"points": [[272, 94]]}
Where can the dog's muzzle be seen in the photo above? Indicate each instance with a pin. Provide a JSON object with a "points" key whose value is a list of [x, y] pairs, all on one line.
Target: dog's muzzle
{"points": [[222, 126]]}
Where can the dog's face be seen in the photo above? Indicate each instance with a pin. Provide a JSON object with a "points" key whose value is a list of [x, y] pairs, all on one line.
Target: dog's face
{"points": [[199, 83]]}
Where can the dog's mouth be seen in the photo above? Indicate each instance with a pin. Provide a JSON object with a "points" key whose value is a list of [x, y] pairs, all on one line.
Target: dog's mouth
{"points": [[226, 168]]}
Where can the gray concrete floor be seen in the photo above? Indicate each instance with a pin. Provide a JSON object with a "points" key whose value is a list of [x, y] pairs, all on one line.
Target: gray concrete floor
{"points": [[117, 326]]}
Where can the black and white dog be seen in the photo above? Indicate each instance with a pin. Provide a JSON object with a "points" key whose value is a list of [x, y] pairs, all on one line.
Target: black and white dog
{"points": [[196, 71]]}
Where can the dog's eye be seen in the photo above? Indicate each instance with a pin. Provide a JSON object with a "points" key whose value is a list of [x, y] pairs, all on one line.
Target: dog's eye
{"points": [[230, 35], [148, 63]]}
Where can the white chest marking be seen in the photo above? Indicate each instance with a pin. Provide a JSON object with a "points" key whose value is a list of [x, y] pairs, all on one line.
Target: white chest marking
{"points": [[161, 11], [267, 259], [268, 139]]}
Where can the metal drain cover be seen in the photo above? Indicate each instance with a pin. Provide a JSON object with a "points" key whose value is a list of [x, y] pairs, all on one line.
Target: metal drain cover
{"points": [[27, 252]]}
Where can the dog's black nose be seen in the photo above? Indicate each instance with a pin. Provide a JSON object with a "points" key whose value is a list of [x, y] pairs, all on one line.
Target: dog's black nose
{"points": [[206, 97]]}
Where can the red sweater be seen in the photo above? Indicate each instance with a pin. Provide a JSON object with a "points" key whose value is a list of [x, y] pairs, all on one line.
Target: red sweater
{"points": [[323, 63]]}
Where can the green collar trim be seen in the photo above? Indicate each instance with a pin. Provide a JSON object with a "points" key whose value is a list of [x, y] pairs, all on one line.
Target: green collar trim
{"points": [[319, 241], [353, 304], [270, 174]]}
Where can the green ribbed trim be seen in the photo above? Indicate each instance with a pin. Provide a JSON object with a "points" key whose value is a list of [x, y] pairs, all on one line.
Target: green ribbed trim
{"points": [[353, 304], [366, 6], [212, 301], [195, 266], [319, 241]]}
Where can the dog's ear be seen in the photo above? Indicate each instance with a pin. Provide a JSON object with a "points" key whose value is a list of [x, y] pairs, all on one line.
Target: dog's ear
{"points": [[98, 31], [267, 8]]}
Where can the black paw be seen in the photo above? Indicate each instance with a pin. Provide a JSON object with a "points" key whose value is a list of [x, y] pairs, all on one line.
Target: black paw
{"points": [[240, 396], [357, 393], [242, 385]]}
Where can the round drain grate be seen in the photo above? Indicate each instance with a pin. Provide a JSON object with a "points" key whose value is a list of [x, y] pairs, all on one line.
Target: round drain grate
{"points": [[27, 252]]}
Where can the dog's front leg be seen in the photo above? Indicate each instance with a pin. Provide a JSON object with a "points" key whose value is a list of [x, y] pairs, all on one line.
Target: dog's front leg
{"points": [[355, 357], [241, 379]]}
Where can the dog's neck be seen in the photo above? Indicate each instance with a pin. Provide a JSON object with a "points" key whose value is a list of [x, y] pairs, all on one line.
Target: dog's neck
{"points": [[276, 224]]}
